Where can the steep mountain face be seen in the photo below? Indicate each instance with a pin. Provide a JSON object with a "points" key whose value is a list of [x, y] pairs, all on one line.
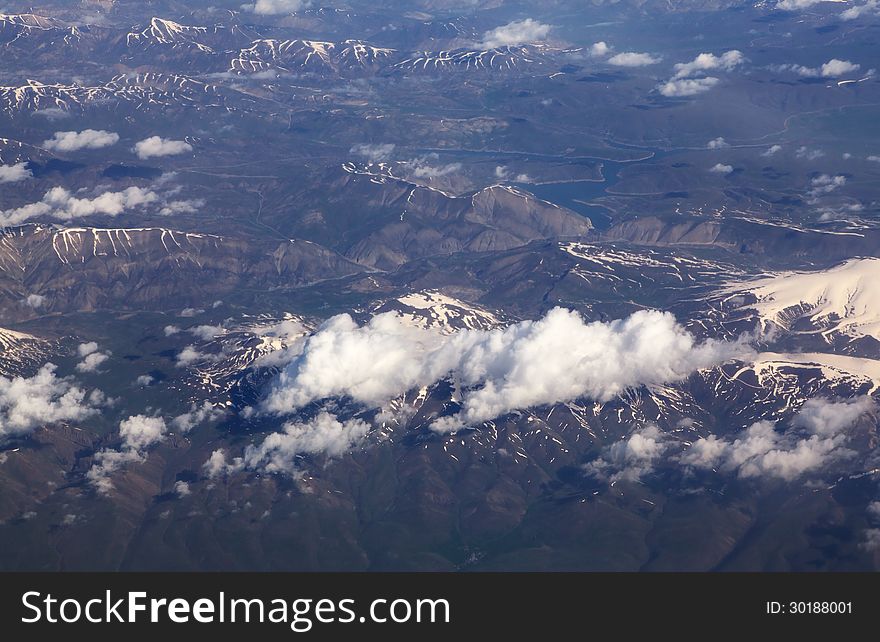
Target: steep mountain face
{"points": [[148, 268]]}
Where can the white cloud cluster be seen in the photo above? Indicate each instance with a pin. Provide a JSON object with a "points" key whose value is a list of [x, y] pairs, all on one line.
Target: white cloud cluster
{"points": [[684, 83], [857, 11], [772, 150], [278, 453], [29, 402], [35, 301], [139, 433], [424, 167], [14, 173], [807, 153], [687, 87], [196, 416], [717, 143], [91, 357], [61, 204], [727, 61], [515, 33], [721, 168], [86, 139], [275, 7], [374, 152], [795, 5], [155, 146], [831, 69], [632, 458], [765, 452], [182, 489], [599, 49], [633, 59], [825, 184], [531, 363]]}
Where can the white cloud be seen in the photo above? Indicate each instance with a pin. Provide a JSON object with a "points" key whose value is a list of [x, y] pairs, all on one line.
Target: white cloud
{"points": [[29, 402], [375, 153], [423, 168], [85, 349], [14, 173], [765, 452], [181, 489], [825, 184], [139, 433], [182, 207], [516, 33], [278, 453], [190, 355], [275, 7], [158, 146], [809, 154], [599, 49], [687, 87], [35, 300], [206, 332], [196, 416], [557, 358], [633, 59], [859, 10], [170, 330], [86, 139], [873, 158], [773, 149], [831, 69], [720, 168], [92, 360], [61, 204], [708, 61], [632, 458], [794, 5], [717, 143], [190, 312], [145, 380]]}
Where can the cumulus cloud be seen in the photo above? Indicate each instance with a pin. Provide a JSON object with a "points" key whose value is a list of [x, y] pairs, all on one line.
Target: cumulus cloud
{"points": [[138, 433], [687, 87], [278, 453], [424, 167], [831, 69], [157, 146], [717, 143], [707, 62], [599, 49], [632, 458], [181, 489], [765, 452], [206, 332], [14, 173], [61, 204], [375, 153], [795, 5], [182, 207], [515, 33], [557, 358], [773, 149], [35, 301], [808, 154], [825, 184], [27, 403], [86, 139], [91, 357], [857, 11], [720, 168], [145, 380], [196, 416], [190, 312], [633, 59], [275, 7], [170, 330], [190, 355]]}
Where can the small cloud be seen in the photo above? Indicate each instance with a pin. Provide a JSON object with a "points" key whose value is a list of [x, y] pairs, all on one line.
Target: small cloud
{"points": [[375, 153], [181, 489], [720, 168], [190, 312], [206, 332], [687, 87], [189, 355], [86, 139], [808, 154], [145, 380], [873, 158], [170, 330], [773, 149], [859, 10], [157, 146], [795, 5], [35, 301], [717, 143], [275, 7], [599, 49], [14, 173], [708, 61], [517, 32], [633, 59], [196, 416]]}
